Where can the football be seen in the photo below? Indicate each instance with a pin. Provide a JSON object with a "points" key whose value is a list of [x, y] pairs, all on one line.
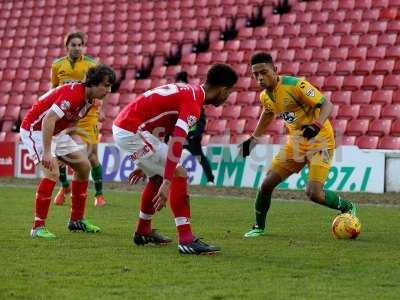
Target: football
{"points": [[346, 226]]}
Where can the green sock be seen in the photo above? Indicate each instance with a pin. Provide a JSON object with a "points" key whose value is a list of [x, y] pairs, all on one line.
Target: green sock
{"points": [[263, 202], [63, 176], [97, 175], [334, 201]]}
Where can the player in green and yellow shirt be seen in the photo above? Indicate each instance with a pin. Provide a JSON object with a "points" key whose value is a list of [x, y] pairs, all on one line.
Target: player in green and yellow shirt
{"points": [[311, 139], [70, 68]]}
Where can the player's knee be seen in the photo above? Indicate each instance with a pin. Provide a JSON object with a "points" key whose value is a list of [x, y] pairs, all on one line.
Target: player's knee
{"points": [[180, 172], [94, 161], [83, 169], [267, 187]]}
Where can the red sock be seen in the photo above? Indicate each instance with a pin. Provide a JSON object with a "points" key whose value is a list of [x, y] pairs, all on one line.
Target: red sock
{"points": [[78, 199], [42, 201], [179, 201], [146, 207]]}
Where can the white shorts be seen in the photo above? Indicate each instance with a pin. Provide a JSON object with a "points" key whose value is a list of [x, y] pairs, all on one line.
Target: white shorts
{"points": [[148, 152], [61, 144]]}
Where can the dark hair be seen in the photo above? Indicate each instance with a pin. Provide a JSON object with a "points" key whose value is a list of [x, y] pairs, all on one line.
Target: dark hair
{"points": [[181, 77], [261, 57], [72, 35], [95, 75], [221, 75]]}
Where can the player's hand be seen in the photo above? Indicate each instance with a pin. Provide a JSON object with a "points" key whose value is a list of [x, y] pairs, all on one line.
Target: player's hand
{"points": [[246, 147], [47, 161], [135, 176], [161, 198], [312, 130]]}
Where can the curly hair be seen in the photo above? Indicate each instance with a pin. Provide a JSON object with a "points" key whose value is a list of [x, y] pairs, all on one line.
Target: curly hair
{"points": [[221, 75], [95, 75]]}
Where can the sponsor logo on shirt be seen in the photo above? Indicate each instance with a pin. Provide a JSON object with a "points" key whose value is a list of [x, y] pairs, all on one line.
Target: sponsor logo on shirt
{"points": [[191, 120], [65, 105], [310, 92]]}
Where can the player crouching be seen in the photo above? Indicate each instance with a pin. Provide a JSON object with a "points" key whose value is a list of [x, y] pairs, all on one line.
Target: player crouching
{"points": [[170, 109], [45, 133]]}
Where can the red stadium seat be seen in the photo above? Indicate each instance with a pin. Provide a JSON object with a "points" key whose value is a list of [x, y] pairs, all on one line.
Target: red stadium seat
{"points": [[219, 139], [326, 29], [247, 98], [384, 66], [353, 15], [370, 111], [341, 97], [291, 68], [297, 43], [357, 127], [342, 28], [345, 67], [326, 68], [367, 142], [380, 127], [391, 111], [216, 126], [303, 55], [376, 53], [232, 99], [370, 14], [391, 82], [317, 81], [364, 67], [12, 113], [249, 112], [377, 27], [308, 68], [359, 53], [213, 112], [281, 43], [336, 16], [346, 141], [239, 138], [346, 4], [339, 126], [393, 52], [320, 17], [231, 112], [304, 18], [334, 112], [389, 142], [286, 55], [333, 83], [393, 26], [395, 130], [388, 39], [352, 83], [321, 54], [396, 69], [382, 97], [349, 41], [142, 85], [372, 82], [348, 112], [368, 40], [243, 83], [236, 126], [309, 31]]}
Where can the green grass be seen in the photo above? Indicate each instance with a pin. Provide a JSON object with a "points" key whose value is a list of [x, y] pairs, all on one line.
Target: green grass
{"points": [[297, 259]]}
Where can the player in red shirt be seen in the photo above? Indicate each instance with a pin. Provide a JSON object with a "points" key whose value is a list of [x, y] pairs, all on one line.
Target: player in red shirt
{"points": [[45, 132], [139, 128]]}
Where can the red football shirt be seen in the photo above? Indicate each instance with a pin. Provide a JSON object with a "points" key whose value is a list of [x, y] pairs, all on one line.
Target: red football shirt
{"points": [[170, 109], [67, 101]]}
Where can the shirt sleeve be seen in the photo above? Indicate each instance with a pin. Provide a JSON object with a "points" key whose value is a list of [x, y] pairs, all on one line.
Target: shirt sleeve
{"points": [[66, 102], [54, 77], [266, 102], [308, 94]]}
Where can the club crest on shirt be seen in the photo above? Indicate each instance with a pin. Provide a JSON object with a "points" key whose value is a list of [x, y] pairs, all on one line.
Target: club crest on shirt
{"points": [[65, 105], [310, 92], [191, 120]]}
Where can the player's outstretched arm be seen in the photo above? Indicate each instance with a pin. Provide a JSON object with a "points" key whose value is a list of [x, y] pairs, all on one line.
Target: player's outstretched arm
{"points": [[248, 145]]}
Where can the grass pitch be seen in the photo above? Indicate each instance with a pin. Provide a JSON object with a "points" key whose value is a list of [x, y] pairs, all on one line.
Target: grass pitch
{"points": [[297, 259]]}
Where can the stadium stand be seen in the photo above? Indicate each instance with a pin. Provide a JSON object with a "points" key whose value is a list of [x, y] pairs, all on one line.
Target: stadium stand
{"points": [[348, 48]]}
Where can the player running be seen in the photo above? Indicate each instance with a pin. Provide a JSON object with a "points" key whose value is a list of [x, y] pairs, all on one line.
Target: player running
{"points": [[139, 128], [311, 139], [73, 68], [45, 132]]}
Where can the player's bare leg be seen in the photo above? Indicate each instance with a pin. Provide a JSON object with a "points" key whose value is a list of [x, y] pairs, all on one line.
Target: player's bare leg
{"points": [[330, 199], [97, 175], [43, 200], [263, 203], [79, 162]]}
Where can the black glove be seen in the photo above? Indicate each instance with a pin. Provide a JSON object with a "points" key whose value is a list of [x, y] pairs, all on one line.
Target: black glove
{"points": [[247, 146], [310, 131]]}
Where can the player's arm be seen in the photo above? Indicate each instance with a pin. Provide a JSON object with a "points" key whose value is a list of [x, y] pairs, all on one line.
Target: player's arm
{"points": [[48, 124], [175, 147], [311, 96], [54, 78], [248, 145]]}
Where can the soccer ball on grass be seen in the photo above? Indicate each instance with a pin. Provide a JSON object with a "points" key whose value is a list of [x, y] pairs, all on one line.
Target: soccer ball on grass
{"points": [[346, 226]]}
